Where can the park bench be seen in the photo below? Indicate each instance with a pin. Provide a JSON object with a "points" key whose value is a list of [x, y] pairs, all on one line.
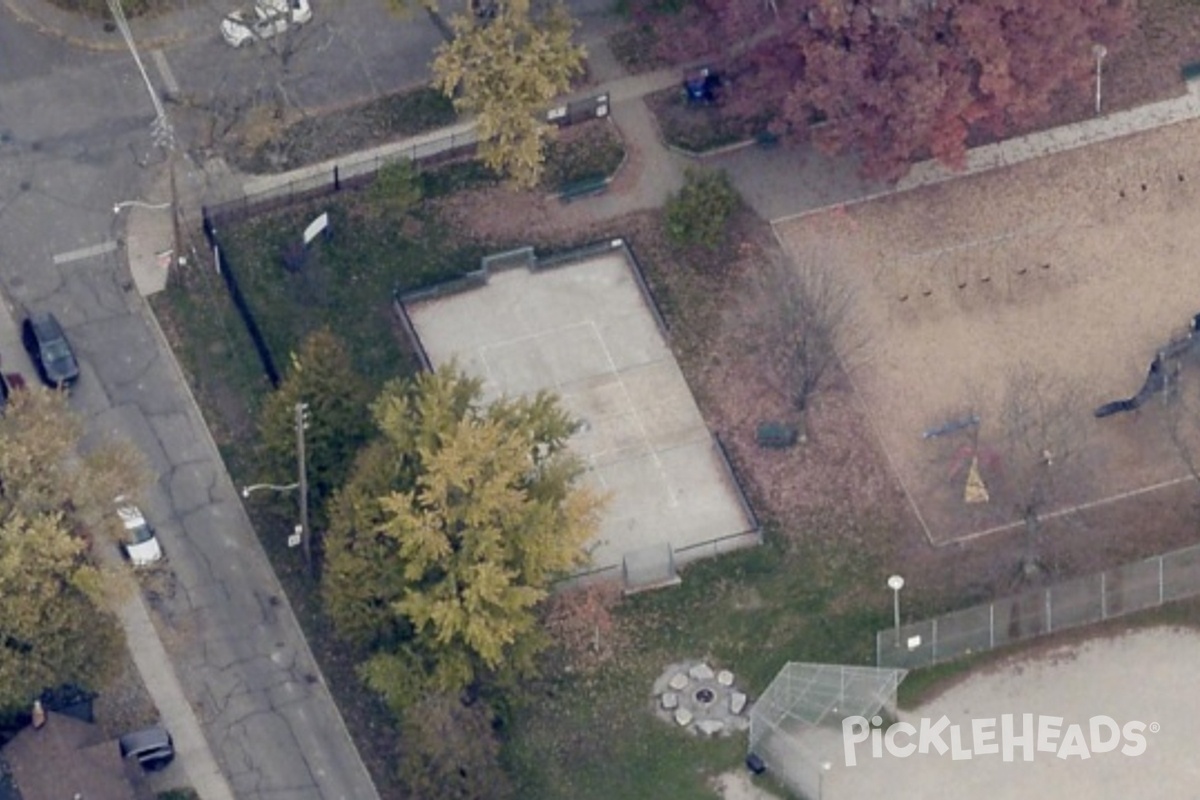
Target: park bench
{"points": [[584, 187]]}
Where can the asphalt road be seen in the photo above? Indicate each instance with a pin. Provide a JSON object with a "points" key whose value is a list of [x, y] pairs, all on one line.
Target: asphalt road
{"points": [[75, 139]]}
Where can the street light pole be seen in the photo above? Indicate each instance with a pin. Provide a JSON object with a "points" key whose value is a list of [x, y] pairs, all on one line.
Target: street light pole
{"points": [[249, 490], [1099, 51], [302, 467], [825, 767], [896, 583], [303, 530], [139, 204]]}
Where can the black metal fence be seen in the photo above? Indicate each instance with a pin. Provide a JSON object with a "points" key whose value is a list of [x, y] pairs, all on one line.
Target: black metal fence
{"points": [[320, 183], [225, 269], [331, 179]]}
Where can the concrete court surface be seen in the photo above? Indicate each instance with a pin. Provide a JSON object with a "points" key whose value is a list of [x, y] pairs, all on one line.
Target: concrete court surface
{"points": [[584, 332], [1146, 676]]}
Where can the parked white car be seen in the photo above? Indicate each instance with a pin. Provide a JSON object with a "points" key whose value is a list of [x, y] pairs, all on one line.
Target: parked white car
{"points": [[265, 19], [140, 544]]}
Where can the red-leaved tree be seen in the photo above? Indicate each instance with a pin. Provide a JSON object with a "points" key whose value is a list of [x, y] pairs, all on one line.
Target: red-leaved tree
{"points": [[894, 81]]}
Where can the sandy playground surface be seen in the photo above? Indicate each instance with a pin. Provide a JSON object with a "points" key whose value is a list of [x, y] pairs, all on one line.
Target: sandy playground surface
{"points": [[1078, 266], [1145, 676]]}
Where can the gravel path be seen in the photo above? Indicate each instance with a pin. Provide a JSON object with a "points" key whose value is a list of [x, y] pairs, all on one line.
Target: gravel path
{"points": [[738, 786]]}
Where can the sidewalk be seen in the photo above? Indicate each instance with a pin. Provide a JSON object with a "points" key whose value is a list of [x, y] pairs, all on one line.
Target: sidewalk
{"points": [[625, 102], [779, 183], [158, 673], [782, 184]]}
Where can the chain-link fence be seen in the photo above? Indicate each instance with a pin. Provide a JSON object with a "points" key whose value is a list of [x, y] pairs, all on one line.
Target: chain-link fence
{"points": [[796, 725], [1081, 601]]}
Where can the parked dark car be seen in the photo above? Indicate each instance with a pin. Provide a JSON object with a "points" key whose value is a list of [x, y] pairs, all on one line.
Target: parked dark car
{"points": [[152, 748], [50, 350]]}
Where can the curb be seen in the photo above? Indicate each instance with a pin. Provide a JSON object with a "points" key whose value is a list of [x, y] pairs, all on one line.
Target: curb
{"points": [[285, 608], [700, 155], [94, 44]]}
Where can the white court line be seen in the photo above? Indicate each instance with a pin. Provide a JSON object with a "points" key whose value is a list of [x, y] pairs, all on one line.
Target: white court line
{"points": [[1029, 231], [673, 501], [85, 252], [164, 69], [538, 335], [1062, 512], [518, 340]]}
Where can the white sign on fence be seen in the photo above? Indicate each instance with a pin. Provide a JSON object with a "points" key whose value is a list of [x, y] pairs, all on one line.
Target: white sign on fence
{"points": [[316, 227]]}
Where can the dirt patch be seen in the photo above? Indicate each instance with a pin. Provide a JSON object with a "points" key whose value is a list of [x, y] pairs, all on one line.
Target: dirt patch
{"points": [[1029, 265], [1130, 678], [123, 704], [738, 786], [268, 144]]}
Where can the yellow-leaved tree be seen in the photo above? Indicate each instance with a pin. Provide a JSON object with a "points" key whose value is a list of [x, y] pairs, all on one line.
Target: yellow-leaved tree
{"points": [[55, 626], [506, 70], [449, 533]]}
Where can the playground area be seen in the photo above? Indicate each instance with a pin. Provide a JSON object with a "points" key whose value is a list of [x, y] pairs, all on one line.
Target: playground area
{"points": [[1050, 285], [584, 331]]}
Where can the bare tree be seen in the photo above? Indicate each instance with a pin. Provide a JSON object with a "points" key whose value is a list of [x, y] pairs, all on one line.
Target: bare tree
{"points": [[1041, 432], [1179, 411], [810, 324], [253, 114]]}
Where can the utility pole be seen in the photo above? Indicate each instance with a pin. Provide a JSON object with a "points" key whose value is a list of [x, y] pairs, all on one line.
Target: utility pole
{"points": [[302, 482]]}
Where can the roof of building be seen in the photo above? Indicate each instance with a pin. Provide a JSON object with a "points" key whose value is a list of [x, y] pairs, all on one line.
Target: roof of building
{"points": [[66, 758]]}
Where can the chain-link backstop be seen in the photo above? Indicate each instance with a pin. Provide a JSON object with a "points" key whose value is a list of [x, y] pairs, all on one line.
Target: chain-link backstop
{"points": [[796, 725]]}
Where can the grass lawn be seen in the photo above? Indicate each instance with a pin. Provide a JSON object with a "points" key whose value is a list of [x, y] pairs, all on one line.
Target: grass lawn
{"points": [[589, 732], [347, 281], [585, 730]]}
